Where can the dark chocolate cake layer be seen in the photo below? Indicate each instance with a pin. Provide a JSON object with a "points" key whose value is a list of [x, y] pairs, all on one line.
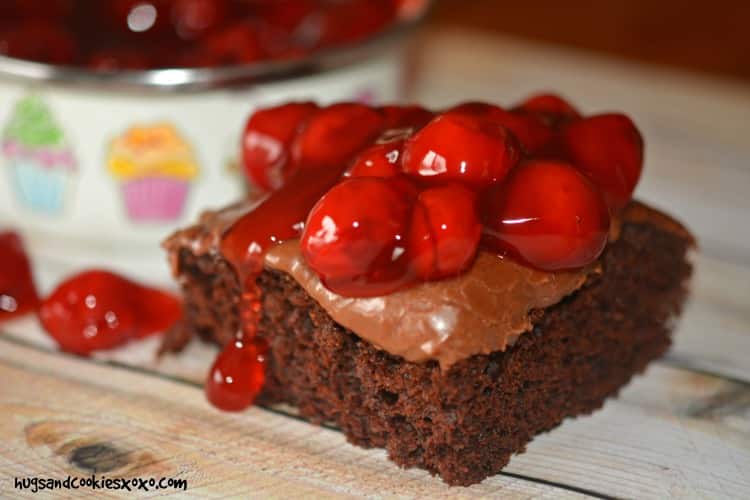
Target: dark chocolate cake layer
{"points": [[464, 423]]}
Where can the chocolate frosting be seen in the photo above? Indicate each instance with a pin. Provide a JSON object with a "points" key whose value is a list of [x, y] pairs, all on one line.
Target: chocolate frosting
{"points": [[482, 311]]}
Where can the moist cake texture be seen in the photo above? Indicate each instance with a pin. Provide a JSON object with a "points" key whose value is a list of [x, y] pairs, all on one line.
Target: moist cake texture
{"points": [[461, 422]]}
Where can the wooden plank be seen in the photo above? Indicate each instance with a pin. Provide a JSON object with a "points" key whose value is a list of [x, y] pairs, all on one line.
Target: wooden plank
{"points": [[714, 333], [672, 433], [161, 428]]}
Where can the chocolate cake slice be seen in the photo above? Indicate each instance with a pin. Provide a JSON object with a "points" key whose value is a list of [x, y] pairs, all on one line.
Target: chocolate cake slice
{"points": [[462, 423], [443, 285]]}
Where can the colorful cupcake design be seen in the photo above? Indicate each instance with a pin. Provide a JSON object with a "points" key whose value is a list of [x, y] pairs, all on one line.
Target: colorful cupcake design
{"points": [[155, 166], [41, 163]]}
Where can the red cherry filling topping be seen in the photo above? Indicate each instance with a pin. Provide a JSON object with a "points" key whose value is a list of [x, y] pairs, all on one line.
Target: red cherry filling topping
{"points": [[234, 45], [194, 18], [266, 142], [188, 32], [380, 160], [39, 40], [99, 310], [406, 117], [378, 231], [17, 291], [609, 149], [332, 135], [237, 376], [445, 232], [355, 236], [531, 131], [550, 107], [549, 215], [461, 147]]}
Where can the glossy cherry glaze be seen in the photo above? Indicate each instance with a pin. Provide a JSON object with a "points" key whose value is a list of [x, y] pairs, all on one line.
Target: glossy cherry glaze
{"points": [[386, 198], [99, 310], [137, 34], [237, 376], [609, 149], [267, 141], [18, 294], [547, 214], [462, 147]]}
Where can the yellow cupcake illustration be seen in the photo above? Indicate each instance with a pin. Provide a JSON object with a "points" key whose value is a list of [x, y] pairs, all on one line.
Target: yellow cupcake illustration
{"points": [[155, 166]]}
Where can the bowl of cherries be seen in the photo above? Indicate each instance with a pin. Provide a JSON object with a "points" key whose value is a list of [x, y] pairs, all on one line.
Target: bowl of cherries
{"points": [[121, 120]]}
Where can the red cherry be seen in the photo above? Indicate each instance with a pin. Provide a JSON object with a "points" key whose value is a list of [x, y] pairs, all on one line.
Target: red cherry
{"points": [[238, 374], [609, 149], [334, 134], [461, 147], [355, 236], [411, 117], [17, 291], [380, 160], [266, 142], [157, 311], [550, 107], [99, 310], [287, 15], [42, 41], [194, 18], [533, 134], [234, 45], [445, 232], [547, 214]]}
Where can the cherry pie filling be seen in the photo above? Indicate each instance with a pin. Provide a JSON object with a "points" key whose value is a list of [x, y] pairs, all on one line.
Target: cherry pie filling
{"points": [[142, 34], [382, 199]]}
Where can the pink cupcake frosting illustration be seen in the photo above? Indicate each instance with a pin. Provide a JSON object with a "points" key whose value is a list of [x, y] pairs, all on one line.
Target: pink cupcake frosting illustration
{"points": [[40, 161], [155, 167]]}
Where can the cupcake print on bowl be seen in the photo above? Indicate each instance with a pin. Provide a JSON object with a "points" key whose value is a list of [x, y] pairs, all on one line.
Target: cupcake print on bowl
{"points": [[155, 167], [41, 164]]}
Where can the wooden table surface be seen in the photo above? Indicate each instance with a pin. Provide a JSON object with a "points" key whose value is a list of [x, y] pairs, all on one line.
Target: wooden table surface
{"points": [[680, 430]]}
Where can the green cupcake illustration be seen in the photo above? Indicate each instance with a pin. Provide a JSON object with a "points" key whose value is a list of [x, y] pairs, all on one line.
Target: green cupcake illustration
{"points": [[40, 161]]}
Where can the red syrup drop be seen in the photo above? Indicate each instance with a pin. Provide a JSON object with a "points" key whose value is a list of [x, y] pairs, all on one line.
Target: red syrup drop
{"points": [[237, 375], [18, 294], [98, 310]]}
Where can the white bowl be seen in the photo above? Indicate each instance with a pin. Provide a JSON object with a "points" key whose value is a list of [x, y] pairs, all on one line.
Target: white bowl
{"points": [[73, 185]]}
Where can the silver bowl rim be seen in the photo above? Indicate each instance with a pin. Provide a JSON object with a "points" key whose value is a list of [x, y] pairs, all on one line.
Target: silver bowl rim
{"points": [[200, 79]]}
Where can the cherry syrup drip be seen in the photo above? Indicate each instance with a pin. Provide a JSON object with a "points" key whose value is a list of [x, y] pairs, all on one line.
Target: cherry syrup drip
{"points": [[99, 310], [537, 183], [18, 294], [236, 377]]}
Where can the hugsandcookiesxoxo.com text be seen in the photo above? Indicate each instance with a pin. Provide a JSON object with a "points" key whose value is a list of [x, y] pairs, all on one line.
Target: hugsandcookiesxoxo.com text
{"points": [[37, 484]]}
